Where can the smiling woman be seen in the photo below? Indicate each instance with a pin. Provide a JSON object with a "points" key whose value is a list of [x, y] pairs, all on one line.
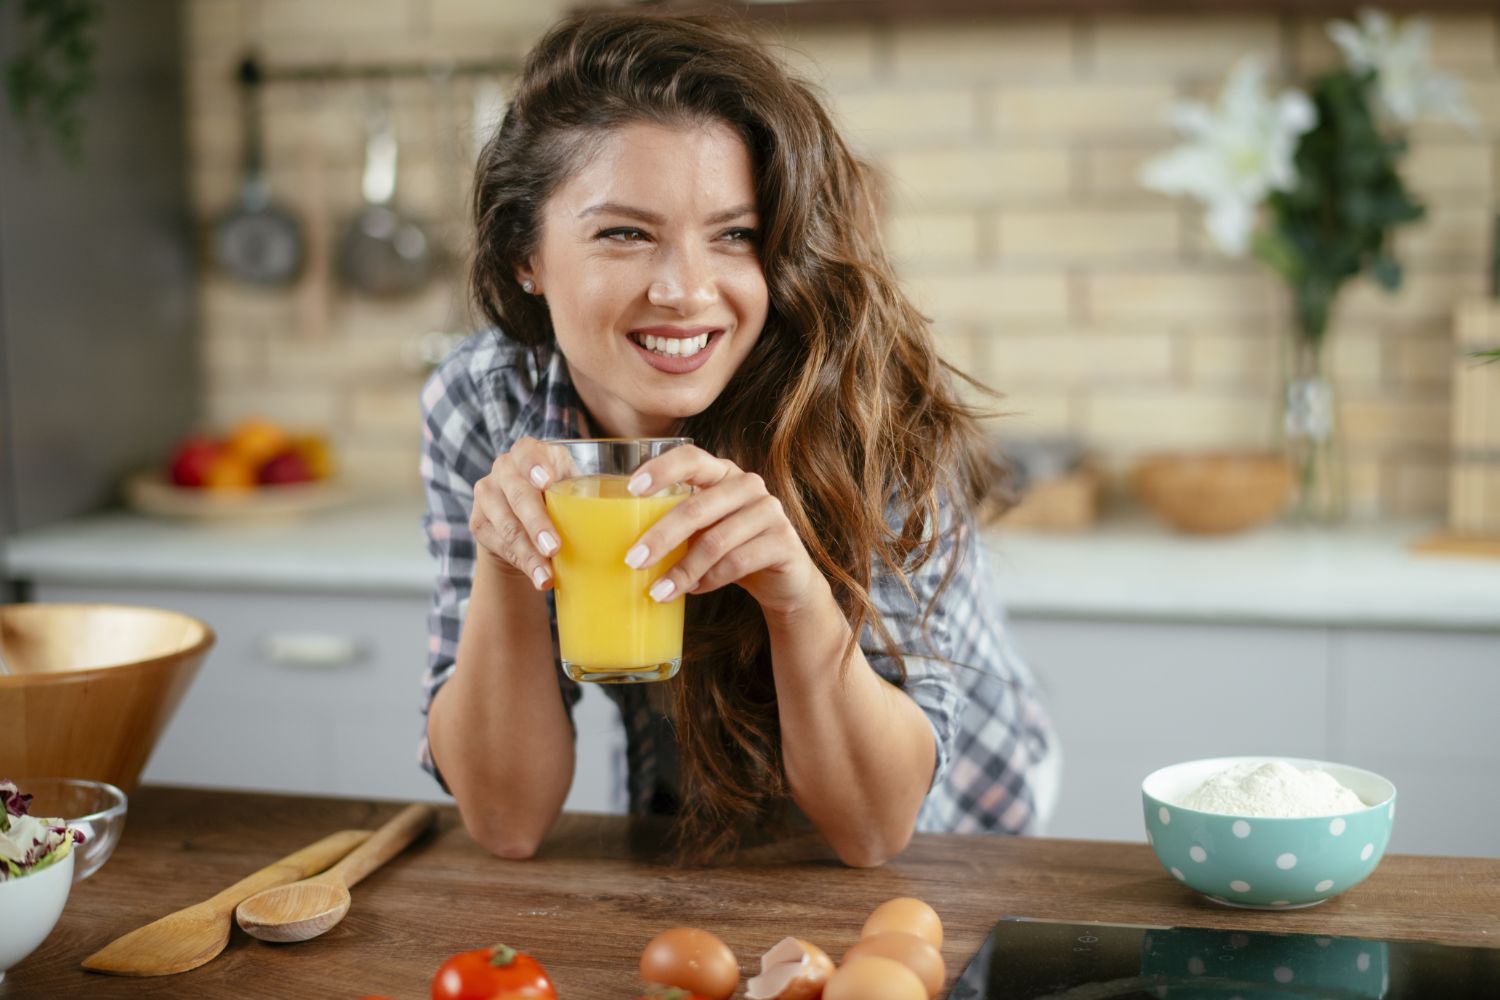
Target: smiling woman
{"points": [[651, 294], [672, 239]]}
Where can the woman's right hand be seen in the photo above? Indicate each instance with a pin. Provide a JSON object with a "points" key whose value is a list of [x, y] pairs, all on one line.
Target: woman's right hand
{"points": [[509, 519]]}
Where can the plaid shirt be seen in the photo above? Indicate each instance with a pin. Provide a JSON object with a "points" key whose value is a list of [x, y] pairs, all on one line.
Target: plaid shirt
{"points": [[990, 727]]}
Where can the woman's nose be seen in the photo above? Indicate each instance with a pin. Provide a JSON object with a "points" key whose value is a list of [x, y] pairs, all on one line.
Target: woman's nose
{"points": [[686, 284]]}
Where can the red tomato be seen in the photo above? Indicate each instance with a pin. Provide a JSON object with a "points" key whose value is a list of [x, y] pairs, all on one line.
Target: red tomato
{"points": [[494, 973]]}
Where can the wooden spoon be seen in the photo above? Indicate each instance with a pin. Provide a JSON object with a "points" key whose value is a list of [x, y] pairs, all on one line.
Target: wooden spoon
{"points": [[308, 908], [186, 939]]}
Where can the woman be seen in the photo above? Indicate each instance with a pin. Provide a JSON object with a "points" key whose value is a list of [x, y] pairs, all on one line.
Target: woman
{"points": [[672, 239]]}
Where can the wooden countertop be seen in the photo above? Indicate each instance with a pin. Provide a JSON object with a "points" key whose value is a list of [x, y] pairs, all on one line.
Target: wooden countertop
{"points": [[597, 892]]}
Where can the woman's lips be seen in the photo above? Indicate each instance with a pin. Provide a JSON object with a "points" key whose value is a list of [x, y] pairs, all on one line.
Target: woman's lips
{"points": [[674, 364]]}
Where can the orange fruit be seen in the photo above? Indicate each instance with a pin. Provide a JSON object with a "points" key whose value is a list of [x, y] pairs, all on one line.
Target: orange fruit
{"points": [[257, 441], [230, 470], [316, 452]]}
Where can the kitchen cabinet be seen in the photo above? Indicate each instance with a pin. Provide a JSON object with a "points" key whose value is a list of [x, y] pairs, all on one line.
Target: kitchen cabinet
{"points": [[1340, 645], [317, 693], [1417, 706]]}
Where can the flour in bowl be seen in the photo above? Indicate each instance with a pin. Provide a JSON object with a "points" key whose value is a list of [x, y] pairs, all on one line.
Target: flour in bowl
{"points": [[1273, 789]]}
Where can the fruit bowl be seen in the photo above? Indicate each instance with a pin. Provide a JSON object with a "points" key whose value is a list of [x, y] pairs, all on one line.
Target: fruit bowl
{"points": [[92, 686], [151, 492]]}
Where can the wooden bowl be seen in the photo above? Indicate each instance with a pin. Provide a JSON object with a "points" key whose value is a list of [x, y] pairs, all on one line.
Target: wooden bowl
{"points": [[1214, 493], [91, 686]]}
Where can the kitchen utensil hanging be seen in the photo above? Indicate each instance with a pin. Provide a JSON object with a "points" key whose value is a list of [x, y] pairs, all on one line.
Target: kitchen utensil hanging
{"points": [[383, 253], [257, 241]]}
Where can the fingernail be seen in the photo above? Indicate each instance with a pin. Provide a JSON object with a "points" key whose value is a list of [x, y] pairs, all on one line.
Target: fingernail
{"points": [[662, 590], [539, 476], [541, 576], [546, 543], [640, 485], [636, 557]]}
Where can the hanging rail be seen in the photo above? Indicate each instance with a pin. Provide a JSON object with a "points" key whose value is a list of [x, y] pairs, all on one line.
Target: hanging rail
{"points": [[251, 67]]}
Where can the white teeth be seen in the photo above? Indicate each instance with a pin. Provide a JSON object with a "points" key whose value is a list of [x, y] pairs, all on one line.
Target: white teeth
{"points": [[674, 347]]}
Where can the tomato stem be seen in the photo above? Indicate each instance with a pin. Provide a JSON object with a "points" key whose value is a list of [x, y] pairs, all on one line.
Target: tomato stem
{"points": [[502, 955]]}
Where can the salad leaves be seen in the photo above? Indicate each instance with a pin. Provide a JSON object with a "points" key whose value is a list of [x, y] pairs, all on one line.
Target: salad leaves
{"points": [[29, 844]]}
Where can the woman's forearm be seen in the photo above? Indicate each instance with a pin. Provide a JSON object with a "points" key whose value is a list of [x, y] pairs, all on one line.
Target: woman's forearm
{"points": [[858, 752], [498, 729]]}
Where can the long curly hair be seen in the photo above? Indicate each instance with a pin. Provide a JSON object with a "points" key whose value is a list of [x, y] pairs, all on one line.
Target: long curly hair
{"points": [[843, 406]]}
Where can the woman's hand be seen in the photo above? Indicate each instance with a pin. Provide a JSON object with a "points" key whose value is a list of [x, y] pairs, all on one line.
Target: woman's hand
{"points": [[735, 530], [509, 518]]}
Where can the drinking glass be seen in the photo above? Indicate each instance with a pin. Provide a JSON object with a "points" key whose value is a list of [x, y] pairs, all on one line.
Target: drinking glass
{"points": [[609, 628]]}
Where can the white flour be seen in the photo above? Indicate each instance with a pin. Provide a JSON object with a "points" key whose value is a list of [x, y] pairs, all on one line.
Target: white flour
{"points": [[1274, 788]]}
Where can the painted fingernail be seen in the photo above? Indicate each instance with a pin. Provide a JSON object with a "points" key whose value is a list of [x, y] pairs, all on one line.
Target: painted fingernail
{"points": [[636, 557], [662, 590], [640, 485], [539, 476], [540, 576], [546, 543]]}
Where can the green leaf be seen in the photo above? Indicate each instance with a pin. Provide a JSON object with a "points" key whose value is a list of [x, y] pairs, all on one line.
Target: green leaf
{"points": [[1386, 271], [50, 70]]}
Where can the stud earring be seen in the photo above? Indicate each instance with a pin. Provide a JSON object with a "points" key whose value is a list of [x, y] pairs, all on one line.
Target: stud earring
{"points": [[528, 286]]}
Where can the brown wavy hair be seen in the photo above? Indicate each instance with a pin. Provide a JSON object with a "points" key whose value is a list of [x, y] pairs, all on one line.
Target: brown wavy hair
{"points": [[843, 406]]}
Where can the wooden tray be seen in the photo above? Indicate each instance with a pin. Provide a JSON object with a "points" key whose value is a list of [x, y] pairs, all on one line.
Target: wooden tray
{"points": [[151, 493], [1067, 504], [1450, 543]]}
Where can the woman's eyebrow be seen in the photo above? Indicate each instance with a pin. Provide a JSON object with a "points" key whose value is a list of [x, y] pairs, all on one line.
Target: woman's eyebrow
{"points": [[652, 218]]}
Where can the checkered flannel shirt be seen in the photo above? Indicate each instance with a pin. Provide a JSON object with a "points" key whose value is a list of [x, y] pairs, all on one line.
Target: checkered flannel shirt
{"points": [[990, 727]]}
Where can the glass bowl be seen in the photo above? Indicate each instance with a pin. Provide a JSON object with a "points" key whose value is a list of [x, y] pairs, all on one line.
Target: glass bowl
{"points": [[94, 807]]}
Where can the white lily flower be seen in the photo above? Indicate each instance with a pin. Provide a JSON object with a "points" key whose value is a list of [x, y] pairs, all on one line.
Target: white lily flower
{"points": [[1236, 154], [1398, 53]]}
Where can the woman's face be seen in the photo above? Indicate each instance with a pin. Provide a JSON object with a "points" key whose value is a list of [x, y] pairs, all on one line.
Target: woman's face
{"points": [[648, 260]]}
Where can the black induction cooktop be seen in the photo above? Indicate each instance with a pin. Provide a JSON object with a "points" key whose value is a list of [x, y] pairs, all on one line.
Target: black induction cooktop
{"points": [[1027, 959]]}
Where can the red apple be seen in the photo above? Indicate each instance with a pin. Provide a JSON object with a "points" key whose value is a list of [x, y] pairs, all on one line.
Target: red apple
{"points": [[191, 460], [286, 467]]}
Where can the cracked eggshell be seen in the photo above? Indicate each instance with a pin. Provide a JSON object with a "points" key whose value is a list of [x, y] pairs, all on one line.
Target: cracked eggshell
{"points": [[791, 970]]}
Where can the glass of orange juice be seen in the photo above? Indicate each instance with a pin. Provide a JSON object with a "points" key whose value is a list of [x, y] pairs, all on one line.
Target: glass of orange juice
{"points": [[609, 628]]}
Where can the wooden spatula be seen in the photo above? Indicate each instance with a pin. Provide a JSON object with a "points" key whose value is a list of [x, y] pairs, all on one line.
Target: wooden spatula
{"points": [[186, 939], [306, 909]]}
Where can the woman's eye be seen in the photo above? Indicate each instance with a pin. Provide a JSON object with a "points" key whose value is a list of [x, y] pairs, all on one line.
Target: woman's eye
{"points": [[741, 235], [622, 235]]}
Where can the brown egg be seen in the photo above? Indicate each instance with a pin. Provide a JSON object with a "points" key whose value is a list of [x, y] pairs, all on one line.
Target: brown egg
{"points": [[693, 959], [874, 978], [906, 914], [908, 949]]}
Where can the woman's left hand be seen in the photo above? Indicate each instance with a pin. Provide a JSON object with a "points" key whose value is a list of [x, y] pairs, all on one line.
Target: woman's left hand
{"points": [[736, 532]]}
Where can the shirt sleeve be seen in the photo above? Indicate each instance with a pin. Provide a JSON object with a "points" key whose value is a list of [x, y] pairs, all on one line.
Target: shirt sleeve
{"points": [[457, 451], [925, 639]]}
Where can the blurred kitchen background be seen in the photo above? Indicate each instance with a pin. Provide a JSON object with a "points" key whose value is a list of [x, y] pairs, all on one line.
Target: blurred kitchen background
{"points": [[1011, 135]]}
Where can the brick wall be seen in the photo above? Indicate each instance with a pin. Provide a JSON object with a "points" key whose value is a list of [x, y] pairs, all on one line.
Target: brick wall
{"points": [[1010, 148]]}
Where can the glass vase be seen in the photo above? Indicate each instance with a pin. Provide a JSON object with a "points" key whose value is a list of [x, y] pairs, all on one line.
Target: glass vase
{"points": [[1309, 435]]}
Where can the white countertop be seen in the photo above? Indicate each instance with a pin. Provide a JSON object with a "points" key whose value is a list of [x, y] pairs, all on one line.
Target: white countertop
{"points": [[1357, 575]]}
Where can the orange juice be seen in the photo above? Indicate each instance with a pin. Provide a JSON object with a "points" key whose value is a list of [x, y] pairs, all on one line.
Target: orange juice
{"points": [[607, 623]]}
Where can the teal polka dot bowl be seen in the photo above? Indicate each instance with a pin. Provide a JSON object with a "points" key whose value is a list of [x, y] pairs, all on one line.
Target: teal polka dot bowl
{"points": [[1266, 863]]}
